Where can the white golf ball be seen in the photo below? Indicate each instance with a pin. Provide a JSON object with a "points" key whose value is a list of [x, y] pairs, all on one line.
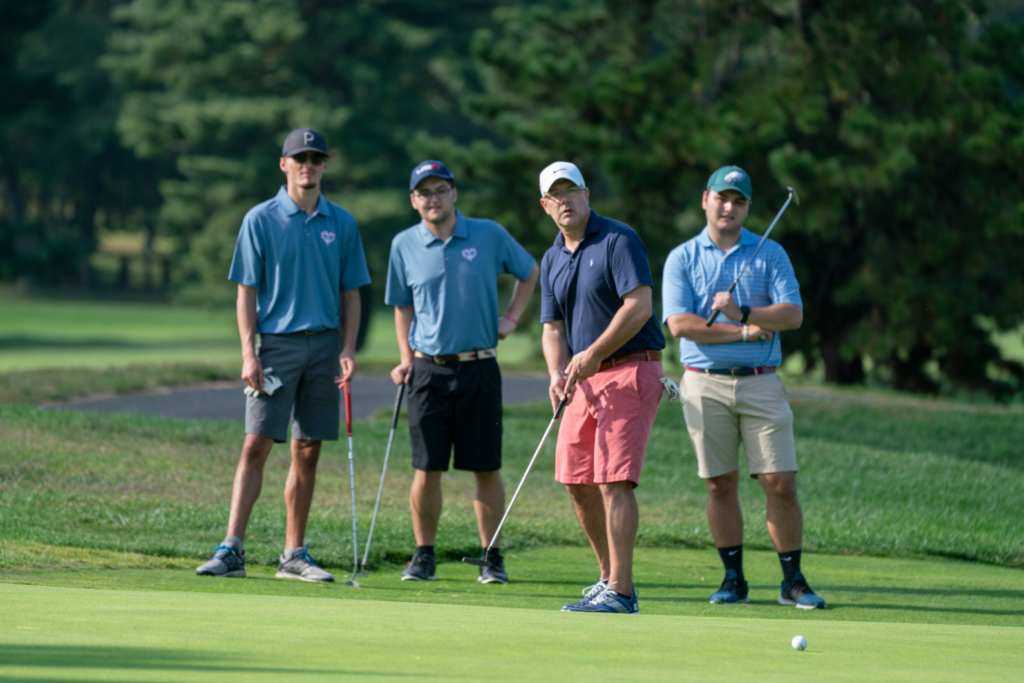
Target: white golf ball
{"points": [[799, 643]]}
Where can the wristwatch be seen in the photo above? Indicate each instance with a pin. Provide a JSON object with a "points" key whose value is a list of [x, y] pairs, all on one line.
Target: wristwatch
{"points": [[746, 314]]}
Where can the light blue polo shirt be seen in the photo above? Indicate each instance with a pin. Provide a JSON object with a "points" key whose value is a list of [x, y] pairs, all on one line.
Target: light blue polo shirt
{"points": [[453, 287], [298, 264], [697, 270]]}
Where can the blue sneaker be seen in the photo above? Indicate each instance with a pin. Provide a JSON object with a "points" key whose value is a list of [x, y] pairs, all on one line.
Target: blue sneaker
{"points": [[608, 601], [589, 593], [226, 562], [732, 590], [798, 593]]}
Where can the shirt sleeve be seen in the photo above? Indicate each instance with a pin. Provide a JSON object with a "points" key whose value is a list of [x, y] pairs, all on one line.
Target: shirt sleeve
{"points": [[549, 309], [397, 292], [782, 285], [247, 264], [629, 265], [354, 271], [512, 258], [676, 288]]}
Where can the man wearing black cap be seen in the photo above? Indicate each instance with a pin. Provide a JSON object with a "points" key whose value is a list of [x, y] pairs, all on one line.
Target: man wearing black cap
{"points": [[442, 281], [299, 264]]}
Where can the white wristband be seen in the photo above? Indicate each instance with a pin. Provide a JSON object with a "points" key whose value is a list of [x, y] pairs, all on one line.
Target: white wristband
{"points": [[746, 333]]}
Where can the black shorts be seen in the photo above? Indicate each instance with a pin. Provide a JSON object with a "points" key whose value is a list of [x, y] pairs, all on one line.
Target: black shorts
{"points": [[455, 404]]}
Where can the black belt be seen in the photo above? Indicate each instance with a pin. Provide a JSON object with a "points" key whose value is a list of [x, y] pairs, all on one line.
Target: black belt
{"points": [[734, 372]]}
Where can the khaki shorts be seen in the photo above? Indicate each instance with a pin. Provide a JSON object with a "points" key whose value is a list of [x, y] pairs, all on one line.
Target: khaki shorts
{"points": [[721, 410]]}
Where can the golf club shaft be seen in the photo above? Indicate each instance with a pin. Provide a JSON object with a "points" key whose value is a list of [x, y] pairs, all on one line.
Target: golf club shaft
{"points": [[387, 454], [554, 419], [351, 479], [732, 287]]}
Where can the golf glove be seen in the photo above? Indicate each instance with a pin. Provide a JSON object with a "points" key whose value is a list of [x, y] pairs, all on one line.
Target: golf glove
{"points": [[270, 385], [671, 391]]}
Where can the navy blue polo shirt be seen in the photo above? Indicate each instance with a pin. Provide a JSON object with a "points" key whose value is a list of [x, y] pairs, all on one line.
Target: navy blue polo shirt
{"points": [[585, 288]]}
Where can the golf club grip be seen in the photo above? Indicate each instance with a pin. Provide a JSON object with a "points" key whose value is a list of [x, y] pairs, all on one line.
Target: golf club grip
{"points": [[348, 410], [558, 411], [398, 405], [714, 314]]}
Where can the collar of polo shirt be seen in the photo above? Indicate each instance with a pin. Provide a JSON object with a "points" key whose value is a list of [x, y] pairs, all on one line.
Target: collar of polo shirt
{"points": [[323, 207], [461, 231], [747, 238], [593, 226]]}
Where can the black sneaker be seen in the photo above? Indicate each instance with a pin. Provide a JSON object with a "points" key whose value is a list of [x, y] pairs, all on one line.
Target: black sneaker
{"points": [[732, 591], [421, 568], [798, 593], [226, 562], [495, 574]]}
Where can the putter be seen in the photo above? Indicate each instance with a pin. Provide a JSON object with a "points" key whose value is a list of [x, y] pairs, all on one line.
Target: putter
{"points": [[352, 488], [483, 562], [380, 489], [792, 196]]}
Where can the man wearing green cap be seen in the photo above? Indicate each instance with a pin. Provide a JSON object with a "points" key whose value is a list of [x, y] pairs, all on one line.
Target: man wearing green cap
{"points": [[731, 392]]}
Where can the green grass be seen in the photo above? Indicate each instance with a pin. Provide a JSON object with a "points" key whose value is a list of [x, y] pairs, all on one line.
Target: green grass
{"points": [[81, 333], [886, 478], [51, 634]]}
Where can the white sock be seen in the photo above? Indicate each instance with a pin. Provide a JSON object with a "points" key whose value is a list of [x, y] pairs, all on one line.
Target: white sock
{"points": [[289, 553], [233, 542]]}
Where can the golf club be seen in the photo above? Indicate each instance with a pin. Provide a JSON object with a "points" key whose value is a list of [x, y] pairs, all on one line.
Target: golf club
{"points": [[483, 562], [352, 488], [792, 195], [387, 454]]}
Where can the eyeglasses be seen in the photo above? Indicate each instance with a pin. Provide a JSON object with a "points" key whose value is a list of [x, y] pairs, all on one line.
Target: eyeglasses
{"points": [[427, 196], [562, 195], [313, 157]]}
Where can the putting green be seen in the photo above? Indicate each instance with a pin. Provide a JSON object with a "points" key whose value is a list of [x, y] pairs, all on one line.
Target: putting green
{"points": [[73, 634]]}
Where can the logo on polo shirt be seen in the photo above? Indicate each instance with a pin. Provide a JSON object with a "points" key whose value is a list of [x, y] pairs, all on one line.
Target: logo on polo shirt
{"points": [[327, 236], [469, 254], [428, 167], [734, 177], [591, 263]]}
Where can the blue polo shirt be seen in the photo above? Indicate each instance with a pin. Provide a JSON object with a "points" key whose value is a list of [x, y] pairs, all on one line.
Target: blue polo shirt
{"points": [[298, 264], [697, 270], [585, 288], [453, 287]]}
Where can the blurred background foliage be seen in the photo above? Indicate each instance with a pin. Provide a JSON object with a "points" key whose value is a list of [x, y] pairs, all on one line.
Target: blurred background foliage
{"points": [[134, 135]]}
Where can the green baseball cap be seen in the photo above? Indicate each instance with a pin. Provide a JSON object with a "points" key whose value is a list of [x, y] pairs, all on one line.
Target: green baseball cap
{"points": [[731, 178]]}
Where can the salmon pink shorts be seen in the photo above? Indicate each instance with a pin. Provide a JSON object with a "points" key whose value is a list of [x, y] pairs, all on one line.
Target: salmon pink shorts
{"points": [[605, 428]]}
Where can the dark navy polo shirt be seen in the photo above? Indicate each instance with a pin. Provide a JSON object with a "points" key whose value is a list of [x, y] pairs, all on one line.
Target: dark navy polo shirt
{"points": [[585, 288]]}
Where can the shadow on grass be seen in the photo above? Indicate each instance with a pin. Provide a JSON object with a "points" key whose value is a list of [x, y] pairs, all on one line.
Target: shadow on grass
{"points": [[938, 592], [149, 659]]}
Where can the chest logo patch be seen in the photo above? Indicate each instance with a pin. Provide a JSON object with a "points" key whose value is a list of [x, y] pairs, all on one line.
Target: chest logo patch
{"points": [[591, 263], [469, 254], [327, 236]]}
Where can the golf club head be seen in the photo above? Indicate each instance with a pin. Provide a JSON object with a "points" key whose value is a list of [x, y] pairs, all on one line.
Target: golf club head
{"points": [[477, 562], [353, 583], [796, 197]]}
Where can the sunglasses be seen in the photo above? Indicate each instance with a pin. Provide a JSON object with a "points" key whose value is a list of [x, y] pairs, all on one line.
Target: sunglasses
{"points": [[315, 158]]}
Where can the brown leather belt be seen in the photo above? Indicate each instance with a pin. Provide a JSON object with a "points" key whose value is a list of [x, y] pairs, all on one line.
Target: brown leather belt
{"points": [[481, 354], [629, 358], [734, 372]]}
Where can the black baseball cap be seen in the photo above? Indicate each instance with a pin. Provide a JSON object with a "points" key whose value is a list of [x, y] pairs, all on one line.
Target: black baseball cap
{"points": [[427, 169], [304, 140]]}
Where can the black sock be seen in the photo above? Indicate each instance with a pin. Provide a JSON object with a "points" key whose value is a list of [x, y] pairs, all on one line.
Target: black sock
{"points": [[425, 550], [790, 564], [732, 558], [493, 554]]}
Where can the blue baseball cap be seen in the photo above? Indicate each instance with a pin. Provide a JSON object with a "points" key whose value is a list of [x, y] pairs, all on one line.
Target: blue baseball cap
{"points": [[731, 178], [426, 170]]}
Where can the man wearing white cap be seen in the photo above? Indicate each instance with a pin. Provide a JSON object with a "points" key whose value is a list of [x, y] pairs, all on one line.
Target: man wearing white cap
{"points": [[603, 346]]}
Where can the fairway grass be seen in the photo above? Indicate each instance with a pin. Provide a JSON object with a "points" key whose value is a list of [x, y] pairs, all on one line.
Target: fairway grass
{"points": [[70, 634]]}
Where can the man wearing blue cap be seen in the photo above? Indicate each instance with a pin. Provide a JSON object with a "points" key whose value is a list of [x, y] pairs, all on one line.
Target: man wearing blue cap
{"points": [[731, 392], [442, 281], [298, 264]]}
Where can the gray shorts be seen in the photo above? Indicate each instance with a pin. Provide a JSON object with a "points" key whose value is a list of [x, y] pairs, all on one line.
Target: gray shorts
{"points": [[306, 364]]}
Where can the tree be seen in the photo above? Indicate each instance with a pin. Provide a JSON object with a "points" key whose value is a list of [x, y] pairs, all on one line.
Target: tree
{"points": [[899, 122], [215, 87]]}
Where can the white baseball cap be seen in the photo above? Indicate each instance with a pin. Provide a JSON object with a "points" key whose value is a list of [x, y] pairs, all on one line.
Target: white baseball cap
{"points": [[557, 170]]}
